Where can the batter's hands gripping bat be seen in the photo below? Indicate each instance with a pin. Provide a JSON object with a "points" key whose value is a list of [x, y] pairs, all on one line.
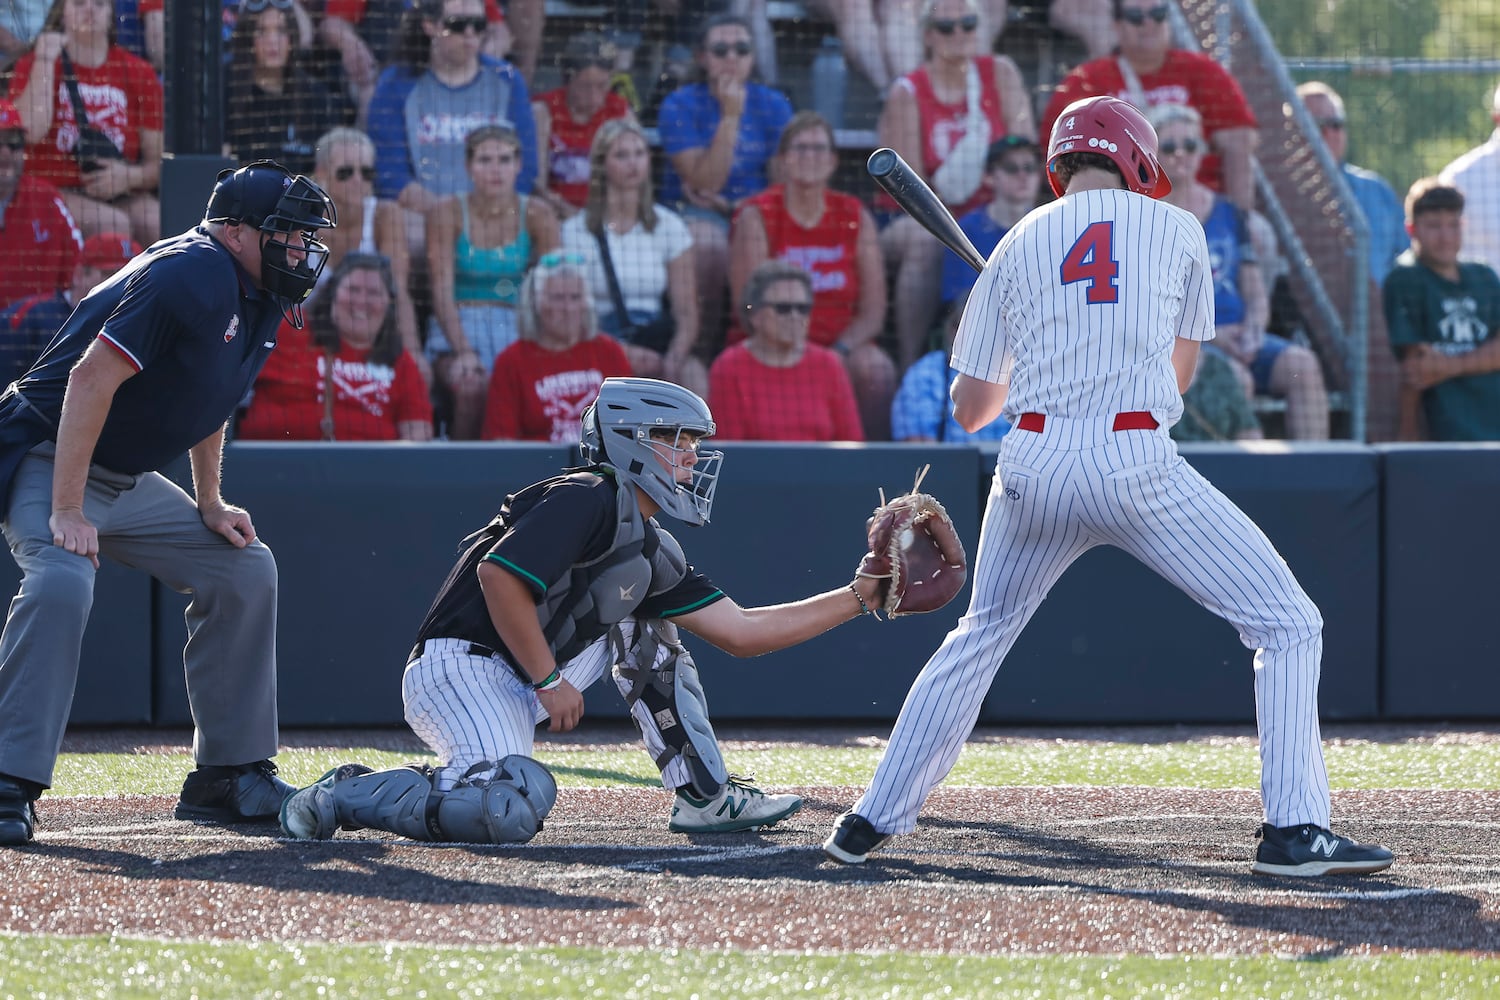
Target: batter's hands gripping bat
{"points": [[903, 184]]}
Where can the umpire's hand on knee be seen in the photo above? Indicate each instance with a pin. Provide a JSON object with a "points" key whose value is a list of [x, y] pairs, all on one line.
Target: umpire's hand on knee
{"points": [[72, 531], [564, 705], [230, 521]]}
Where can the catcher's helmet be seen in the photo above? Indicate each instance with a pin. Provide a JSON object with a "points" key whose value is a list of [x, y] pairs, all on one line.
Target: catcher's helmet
{"points": [[1113, 128], [289, 209], [617, 429]]}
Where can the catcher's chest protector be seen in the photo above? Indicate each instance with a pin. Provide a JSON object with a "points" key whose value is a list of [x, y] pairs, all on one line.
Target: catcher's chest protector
{"points": [[580, 607]]}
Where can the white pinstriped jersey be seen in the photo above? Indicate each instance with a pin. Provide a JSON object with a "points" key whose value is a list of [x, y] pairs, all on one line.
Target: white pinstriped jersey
{"points": [[1088, 295]]}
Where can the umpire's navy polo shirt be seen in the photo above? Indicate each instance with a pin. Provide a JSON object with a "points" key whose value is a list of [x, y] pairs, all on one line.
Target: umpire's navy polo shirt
{"points": [[195, 328]]}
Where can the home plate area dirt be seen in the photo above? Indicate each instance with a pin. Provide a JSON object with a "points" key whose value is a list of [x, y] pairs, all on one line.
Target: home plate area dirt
{"points": [[989, 871]]}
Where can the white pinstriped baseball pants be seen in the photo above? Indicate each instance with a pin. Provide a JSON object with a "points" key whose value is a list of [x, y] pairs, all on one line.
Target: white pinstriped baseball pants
{"points": [[1059, 493], [471, 708]]}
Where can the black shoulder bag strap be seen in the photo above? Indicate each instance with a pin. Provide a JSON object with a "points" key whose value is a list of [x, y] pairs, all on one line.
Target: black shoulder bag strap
{"points": [[80, 113], [614, 283]]}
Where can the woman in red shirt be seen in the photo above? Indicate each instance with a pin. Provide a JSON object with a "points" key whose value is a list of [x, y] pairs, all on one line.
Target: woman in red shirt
{"points": [[545, 380], [774, 385], [568, 117], [831, 236], [108, 183], [351, 349]]}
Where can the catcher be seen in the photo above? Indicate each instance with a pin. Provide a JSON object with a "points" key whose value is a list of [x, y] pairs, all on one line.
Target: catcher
{"points": [[575, 578]]}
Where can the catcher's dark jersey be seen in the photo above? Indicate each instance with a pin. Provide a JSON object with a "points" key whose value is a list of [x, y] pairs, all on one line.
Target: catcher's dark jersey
{"points": [[540, 535]]}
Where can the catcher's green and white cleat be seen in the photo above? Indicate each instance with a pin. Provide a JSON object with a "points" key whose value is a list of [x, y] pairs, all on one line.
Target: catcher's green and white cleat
{"points": [[738, 806], [308, 813]]}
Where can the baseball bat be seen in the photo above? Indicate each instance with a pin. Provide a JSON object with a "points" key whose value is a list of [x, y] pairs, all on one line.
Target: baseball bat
{"points": [[903, 184]]}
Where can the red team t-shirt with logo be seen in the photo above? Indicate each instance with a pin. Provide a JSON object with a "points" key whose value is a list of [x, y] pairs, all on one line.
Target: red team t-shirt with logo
{"points": [[370, 400], [121, 96], [568, 147], [539, 395], [826, 251], [1188, 78], [38, 241]]}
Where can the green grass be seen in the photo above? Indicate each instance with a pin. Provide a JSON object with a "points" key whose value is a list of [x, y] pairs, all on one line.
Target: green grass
{"points": [[124, 968], [1208, 763]]}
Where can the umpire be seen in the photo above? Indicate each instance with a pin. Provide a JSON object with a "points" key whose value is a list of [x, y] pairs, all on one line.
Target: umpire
{"points": [[151, 364]]}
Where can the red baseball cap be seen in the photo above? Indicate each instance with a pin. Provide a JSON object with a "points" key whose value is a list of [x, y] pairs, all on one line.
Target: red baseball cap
{"points": [[9, 117], [109, 251]]}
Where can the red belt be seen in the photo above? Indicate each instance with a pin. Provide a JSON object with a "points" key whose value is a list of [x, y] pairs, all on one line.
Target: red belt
{"points": [[1134, 420]]}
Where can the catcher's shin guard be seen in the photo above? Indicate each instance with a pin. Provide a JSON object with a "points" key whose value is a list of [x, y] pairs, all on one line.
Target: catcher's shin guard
{"points": [[656, 673], [401, 800]]}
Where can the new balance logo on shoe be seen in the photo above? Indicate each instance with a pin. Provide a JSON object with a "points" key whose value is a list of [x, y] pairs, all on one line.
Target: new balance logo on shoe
{"points": [[1325, 845], [732, 807], [738, 806]]}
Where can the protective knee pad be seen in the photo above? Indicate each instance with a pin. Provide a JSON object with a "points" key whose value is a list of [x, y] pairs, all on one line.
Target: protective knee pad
{"points": [[531, 777], [494, 812], [660, 674], [401, 800]]}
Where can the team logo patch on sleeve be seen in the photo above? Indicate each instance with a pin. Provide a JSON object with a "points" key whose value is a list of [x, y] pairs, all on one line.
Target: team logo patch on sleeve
{"points": [[232, 329]]}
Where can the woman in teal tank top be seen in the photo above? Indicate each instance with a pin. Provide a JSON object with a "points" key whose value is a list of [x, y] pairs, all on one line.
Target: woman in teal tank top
{"points": [[479, 247]]}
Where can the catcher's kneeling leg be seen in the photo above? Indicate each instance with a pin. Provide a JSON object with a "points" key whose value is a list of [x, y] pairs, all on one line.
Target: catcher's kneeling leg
{"points": [[402, 800], [660, 682]]}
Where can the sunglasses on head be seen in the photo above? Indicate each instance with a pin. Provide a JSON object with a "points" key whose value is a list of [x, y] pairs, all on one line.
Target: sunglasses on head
{"points": [[256, 6], [1188, 146], [789, 308], [461, 24], [557, 258], [347, 171], [1136, 16], [946, 26], [722, 49], [1331, 123]]}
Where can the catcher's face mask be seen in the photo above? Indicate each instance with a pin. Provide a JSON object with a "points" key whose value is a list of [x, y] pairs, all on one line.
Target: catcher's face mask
{"points": [[693, 471]]}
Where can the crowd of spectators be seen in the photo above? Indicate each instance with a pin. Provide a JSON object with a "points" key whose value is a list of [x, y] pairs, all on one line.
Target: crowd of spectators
{"points": [[502, 249]]}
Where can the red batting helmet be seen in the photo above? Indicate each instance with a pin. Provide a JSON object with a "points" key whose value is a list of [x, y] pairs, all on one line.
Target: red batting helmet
{"points": [[1112, 128]]}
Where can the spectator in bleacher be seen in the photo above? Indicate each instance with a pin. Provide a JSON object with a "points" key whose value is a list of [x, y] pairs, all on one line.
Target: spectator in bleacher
{"points": [[1013, 174], [109, 180], [1477, 175], [1443, 314], [942, 119], [775, 385], [923, 407], [1148, 71], [39, 241], [345, 377], [274, 108], [543, 382], [1265, 363], [644, 294], [479, 247], [27, 325], [441, 89], [154, 25], [20, 23], [1381, 208], [568, 117], [344, 167], [833, 237], [1215, 407], [719, 136], [1089, 21]]}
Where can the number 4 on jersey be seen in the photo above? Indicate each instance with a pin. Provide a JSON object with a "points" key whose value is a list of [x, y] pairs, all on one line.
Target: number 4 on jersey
{"points": [[1092, 259]]}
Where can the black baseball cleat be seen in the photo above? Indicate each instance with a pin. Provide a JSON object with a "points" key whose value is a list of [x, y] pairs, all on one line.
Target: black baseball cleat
{"points": [[852, 839], [243, 793], [1309, 851], [17, 815]]}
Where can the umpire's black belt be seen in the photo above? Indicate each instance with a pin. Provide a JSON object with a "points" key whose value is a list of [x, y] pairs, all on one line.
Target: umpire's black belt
{"points": [[453, 645]]}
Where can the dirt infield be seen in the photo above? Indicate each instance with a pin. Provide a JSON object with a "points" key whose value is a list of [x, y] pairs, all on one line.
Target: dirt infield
{"points": [[990, 871]]}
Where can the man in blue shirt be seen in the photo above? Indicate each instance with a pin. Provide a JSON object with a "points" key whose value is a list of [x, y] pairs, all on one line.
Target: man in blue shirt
{"points": [[152, 364], [1382, 209]]}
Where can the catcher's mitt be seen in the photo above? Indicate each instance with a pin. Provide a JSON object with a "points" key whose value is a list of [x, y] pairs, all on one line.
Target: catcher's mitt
{"points": [[914, 546]]}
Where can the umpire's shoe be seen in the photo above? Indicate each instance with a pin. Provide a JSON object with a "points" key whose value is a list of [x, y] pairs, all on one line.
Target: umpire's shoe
{"points": [[1309, 850], [852, 839], [242, 793], [738, 806], [17, 814]]}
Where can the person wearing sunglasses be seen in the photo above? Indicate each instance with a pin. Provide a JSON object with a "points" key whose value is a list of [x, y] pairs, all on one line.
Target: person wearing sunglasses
{"points": [[1374, 195], [1149, 70], [775, 385], [545, 380], [440, 88], [1266, 364], [568, 117], [346, 376], [110, 185], [274, 108], [942, 118], [833, 236], [1477, 174], [719, 136], [344, 166], [38, 238]]}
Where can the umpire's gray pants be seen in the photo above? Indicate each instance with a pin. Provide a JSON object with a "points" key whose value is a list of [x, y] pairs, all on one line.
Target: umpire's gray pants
{"points": [[148, 523]]}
